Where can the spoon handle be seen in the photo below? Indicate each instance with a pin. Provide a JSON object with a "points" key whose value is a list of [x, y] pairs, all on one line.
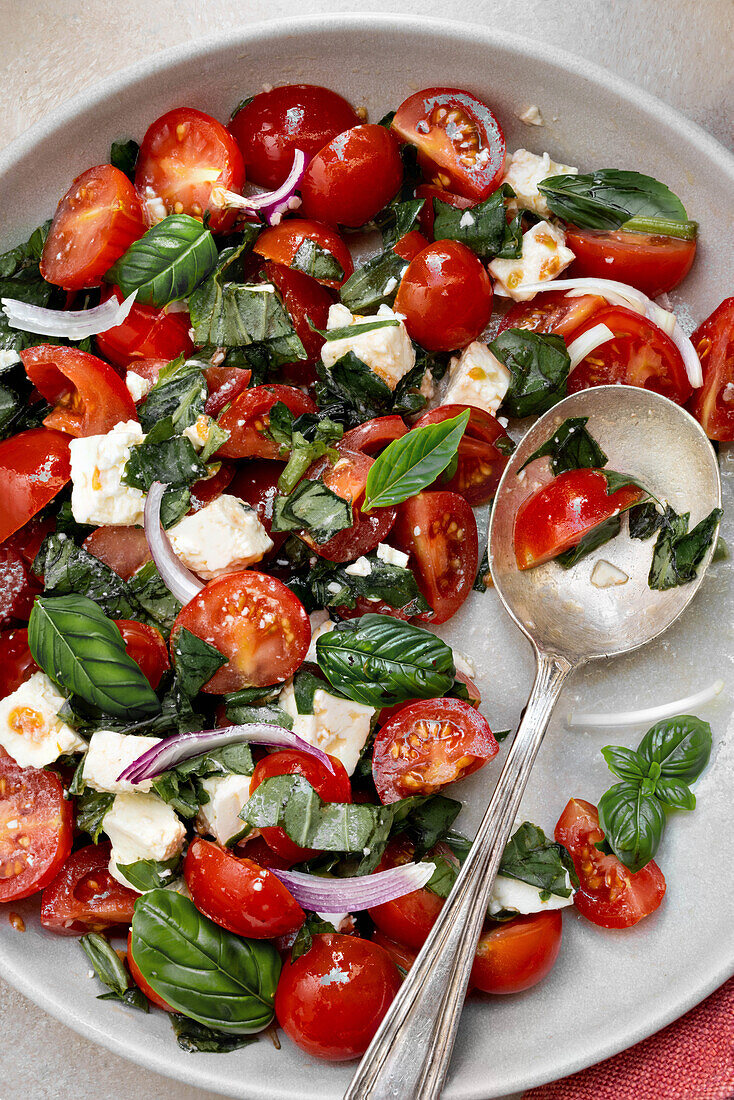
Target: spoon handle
{"points": [[410, 1054]]}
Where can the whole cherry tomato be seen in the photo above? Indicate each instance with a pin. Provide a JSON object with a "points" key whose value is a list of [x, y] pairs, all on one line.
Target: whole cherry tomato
{"points": [[445, 297]]}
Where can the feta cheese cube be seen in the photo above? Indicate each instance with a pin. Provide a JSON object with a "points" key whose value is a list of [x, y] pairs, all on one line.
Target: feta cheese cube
{"points": [[388, 352], [544, 257], [198, 432], [606, 575], [109, 754], [223, 537], [464, 663], [98, 494], [392, 556], [219, 816], [338, 726], [137, 386], [362, 567], [141, 826], [30, 729], [525, 172], [319, 626], [510, 893], [477, 378]]}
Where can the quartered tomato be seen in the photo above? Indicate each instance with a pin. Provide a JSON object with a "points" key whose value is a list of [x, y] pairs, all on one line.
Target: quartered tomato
{"points": [[408, 247], [123, 549], [517, 954], [429, 192], [183, 155], [97, 220], [16, 663], [295, 237], [34, 467], [270, 127], [460, 143], [89, 396], [439, 531], [259, 851], [552, 312], [428, 744], [146, 333], [402, 956], [307, 303], [407, 919], [247, 420], [713, 403], [224, 384], [609, 895], [137, 977], [640, 354], [255, 621], [84, 897], [207, 489], [445, 297], [28, 540], [479, 461], [36, 828], [374, 435], [238, 894], [256, 483], [653, 264], [147, 648], [353, 177], [18, 585], [563, 512]]}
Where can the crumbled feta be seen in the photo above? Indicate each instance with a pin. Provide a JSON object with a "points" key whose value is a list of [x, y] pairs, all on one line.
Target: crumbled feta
{"points": [[155, 208], [392, 556], [477, 378], [362, 567], [531, 116], [30, 729], [98, 495], [319, 627], [464, 663], [466, 219], [510, 893], [606, 575], [387, 351], [223, 537], [9, 357], [109, 754], [141, 826], [525, 171], [427, 387], [219, 817], [137, 386], [198, 432], [544, 257], [338, 726]]}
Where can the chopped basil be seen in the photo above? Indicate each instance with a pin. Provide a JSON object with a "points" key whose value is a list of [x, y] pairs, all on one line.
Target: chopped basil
{"points": [[196, 661], [398, 218], [179, 392], [374, 284], [168, 458], [678, 552], [312, 926], [158, 603], [91, 807], [350, 392], [592, 540], [328, 584], [303, 439], [317, 262], [110, 969], [530, 857], [194, 1037], [67, 568], [150, 874], [538, 366], [482, 228], [124, 156], [314, 508], [571, 447]]}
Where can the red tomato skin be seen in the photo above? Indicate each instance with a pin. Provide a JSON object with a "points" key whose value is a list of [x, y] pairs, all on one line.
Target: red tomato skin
{"points": [[95, 222], [90, 397], [445, 297], [552, 312], [374, 435], [259, 851], [353, 177], [256, 482], [408, 247], [147, 648], [16, 662], [272, 125], [713, 403], [410, 918], [146, 333], [427, 216], [23, 492], [84, 897], [206, 490], [18, 586], [336, 1020], [123, 549], [224, 384], [516, 955], [305, 300], [653, 264], [247, 419], [33, 798], [480, 462], [137, 976], [280, 243], [401, 955]]}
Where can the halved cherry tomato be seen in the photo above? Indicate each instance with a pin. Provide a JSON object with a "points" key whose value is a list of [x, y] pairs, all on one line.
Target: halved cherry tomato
{"points": [[238, 894], [34, 467], [281, 242], [123, 549], [224, 384], [259, 851], [460, 143], [16, 662], [331, 787], [97, 220], [353, 177], [609, 895], [307, 303], [713, 403], [147, 648], [408, 247], [445, 297], [36, 828], [480, 463], [183, 155], [439, 531], [407, 919], [84, 897], [429, 192], [517, 954], [90, 397], [146, 333], [207, 489], [428, 744], [137, 977], [402, 956], [29, 538], [269, 128], [372, 436], [652, 264], [475, 695], [640, 354], [552, 312], [332, 999], [255, 621], [365, 606], [257, 484], [247, 420], [18, 586], [559, 515]]}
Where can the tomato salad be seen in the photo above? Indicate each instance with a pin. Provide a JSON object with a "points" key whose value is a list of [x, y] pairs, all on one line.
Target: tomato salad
{"points": [[249, 403]]}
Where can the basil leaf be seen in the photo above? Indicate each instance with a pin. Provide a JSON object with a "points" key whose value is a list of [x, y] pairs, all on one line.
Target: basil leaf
{"points": [[675, 795], [67, 568], [195, 1038], [678, 552], [645, 520], [21, 278], [124, 156], [231, 315], [307, 438], [538, 365], [380, 661], [185, 799], [662, 227], [179, 392], [483, 579], [314, 508], [626, 763], [398, 218], [633, 824], [680, 745], [607, 198], [110, 970], [425, 819], [374, 284], [91, 806], [318, 262], [347, 331], [482, 228], [328, 584], [571, 447], [443, 878], [530, 857], [229, 760], [167, 262], [592, 540], [350, 392], [412, 463], [150, 874], [196, 661], [170, 459], [616, 480], [312, 926], [159, 604], [83, 651]]}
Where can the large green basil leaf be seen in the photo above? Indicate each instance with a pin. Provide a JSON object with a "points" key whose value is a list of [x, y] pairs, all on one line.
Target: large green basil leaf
{"points": [[538, 364], [609, 197], [571, 447], [412, 463], [167, 262], [196, 661], [380, 661], [84, 652], [315, 508], [625, 763], [328, 584], [633, 824], [530, 856], [482, 228], [680, 745]]}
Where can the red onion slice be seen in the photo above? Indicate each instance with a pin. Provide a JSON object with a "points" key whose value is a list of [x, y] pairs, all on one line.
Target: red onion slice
{"points": [[272, 204], [334, 895], [74, 324], [179, 580]]}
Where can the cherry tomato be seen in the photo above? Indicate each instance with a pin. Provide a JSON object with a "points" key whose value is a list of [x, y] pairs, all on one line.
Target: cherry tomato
{"points": [[147, 648], [97, 220], [29, 538], [84, 897], [408, 247], [517, 954], [480, 463], [306, 301], [224, 384], [255, 621], [429, 192], [460, 143], [428, 744], [90, 397], [610, 895], [206, 490], [137, 977], [374, 435], [247, 420], [439, 531], [330, 787], [269, 128], [407, 919], [123, 549], [445, 297], [183, 155], [402, 956], [331, 1000], [146, 333], [563, 512], [281, 242], [640, 354], [353, 177], [713, 403], [652, 264], [34, 467], [259, 851], [552, 312], [36, 828], [16, 663], [18, 586], [257, 484]]}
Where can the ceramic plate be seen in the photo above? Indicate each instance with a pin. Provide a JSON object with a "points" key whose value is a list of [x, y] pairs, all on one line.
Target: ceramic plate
{"points": [[609, 989]]}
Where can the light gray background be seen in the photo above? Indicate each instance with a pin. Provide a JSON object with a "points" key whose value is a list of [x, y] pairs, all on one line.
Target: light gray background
{"points": [[680, 50]]}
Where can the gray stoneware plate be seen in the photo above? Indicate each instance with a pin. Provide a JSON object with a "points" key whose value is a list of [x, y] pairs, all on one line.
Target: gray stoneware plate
{"points": [[608, 989]]}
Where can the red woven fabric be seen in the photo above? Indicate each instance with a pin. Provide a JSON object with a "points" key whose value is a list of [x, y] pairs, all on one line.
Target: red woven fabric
{"points": [[690, 1059]]}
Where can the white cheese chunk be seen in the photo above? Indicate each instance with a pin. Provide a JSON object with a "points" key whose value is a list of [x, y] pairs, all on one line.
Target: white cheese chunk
{"points": [[109, 754], [223, 537], [392, 556], [525, 171], [141, 826], [137, 386], [464, 663], [531, 116], [155, 208], [198, 432], [362, 567], [544, 257], [338, 726], [388, 351], [30, 729], [319, 626], [219, 817], [98, 494], [338, 920], [510, 893], [477, 378], [8, 358], [606, 575]]}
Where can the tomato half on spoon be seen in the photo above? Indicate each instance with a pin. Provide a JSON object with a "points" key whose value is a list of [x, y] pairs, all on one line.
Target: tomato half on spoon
{"points": [[36, 828], [653, 264], [88, 395], [84, 897], [713, 403]]}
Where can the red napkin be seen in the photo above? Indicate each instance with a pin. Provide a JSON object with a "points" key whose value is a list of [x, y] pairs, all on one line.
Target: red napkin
{"points": [[690, 1059]]}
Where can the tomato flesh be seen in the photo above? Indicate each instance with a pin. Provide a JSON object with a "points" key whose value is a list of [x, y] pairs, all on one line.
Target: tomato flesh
{"points": [[18, 586], [480, 462], [429, 192], [308, 304], [206, 490], [281, 243], [257, 484], [517, 954], [445, 296], [90, 397], [247, 420], [653, 264], [713, 403], [146, 333], [552, 312], [36, 829], [372, 436], [353, 177], [16, 662], [34, 467], [224, 384], [147, 648], [84, 897], [123, 549]]}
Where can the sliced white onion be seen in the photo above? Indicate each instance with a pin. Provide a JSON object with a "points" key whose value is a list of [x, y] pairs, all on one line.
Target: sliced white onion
{"points": [[333, 895], [73, 324], [272, 204], [587, 342], [650, 715], [179, 580]]}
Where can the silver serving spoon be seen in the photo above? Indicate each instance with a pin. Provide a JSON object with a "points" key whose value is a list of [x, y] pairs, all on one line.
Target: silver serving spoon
{"points": [[568, 622]]}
